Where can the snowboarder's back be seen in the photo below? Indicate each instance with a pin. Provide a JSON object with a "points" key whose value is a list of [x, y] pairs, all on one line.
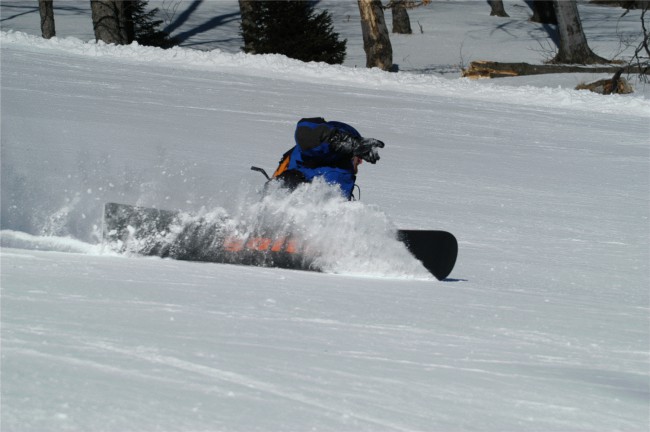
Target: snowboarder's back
{"points": [[330, 150]]}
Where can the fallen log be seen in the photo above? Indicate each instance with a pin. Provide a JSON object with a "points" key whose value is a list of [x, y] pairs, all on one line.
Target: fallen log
{"points": [[491, 69]]}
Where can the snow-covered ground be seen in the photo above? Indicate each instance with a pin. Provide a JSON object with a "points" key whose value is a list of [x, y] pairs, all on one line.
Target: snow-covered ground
{"points": [[543, 325]]}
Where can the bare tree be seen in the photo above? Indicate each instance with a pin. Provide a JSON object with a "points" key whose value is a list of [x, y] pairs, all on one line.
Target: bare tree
{"points": [[46, 9], [573, 42], [376, 43], [497, 8], [401, 20], [399, 9], [112, 21]]}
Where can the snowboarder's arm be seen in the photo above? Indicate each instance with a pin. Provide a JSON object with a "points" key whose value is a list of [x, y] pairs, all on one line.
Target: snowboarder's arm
{"points": [[365, 148]]}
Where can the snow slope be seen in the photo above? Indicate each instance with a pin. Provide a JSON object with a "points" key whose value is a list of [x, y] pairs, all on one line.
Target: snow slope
{"points": [[542, 326]]}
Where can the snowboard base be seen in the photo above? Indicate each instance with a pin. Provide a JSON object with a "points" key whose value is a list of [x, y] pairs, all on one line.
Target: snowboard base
{"points": [[169, 234]]}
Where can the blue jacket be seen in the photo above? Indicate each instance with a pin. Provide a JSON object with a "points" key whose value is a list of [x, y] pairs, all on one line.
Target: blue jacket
{"points": [[314, 157]]}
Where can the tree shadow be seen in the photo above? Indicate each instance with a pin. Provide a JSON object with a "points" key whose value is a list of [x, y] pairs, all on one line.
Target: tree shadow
{"points": [[206, 26], [550, 29], [183, 16], [27, 10]]}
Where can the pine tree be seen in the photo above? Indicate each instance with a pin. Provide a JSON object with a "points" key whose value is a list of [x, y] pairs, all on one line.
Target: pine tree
{"points": [[294, 29], [145, 26]]}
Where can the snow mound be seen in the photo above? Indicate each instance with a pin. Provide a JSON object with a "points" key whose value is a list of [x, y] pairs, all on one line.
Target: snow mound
{"points": [[281, 67]]}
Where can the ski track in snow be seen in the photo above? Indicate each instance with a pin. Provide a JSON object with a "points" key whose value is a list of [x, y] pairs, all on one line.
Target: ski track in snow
{"points": [[242, 380]]}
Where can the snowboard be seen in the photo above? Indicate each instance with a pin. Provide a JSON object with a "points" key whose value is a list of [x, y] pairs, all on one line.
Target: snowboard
{"points": [[169, 234]]}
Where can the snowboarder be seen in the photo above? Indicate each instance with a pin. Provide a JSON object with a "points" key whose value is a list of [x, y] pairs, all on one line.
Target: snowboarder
{"points": [[329, 150]]}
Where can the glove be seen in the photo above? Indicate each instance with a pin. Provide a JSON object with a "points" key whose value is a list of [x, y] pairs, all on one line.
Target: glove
{"points": [[365, 148]]}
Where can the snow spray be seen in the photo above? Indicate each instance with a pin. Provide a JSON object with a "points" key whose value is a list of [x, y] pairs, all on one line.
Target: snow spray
{"points": [[346, 237]]}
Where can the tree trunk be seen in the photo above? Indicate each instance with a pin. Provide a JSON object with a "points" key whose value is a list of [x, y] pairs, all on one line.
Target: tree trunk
{"points": [[247, 25], [401, 21], [111, 21], [376, 43], [127, 19], [573, 43], [543, 12], [497, 8], [46, 9]]}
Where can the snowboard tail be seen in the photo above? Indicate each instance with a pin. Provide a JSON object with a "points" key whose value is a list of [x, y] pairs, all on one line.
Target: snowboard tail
{"points": [[169, 234], [436, 250]]}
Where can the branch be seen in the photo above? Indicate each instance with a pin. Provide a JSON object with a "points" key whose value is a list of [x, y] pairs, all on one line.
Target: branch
{"points": [[643, 64]]}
